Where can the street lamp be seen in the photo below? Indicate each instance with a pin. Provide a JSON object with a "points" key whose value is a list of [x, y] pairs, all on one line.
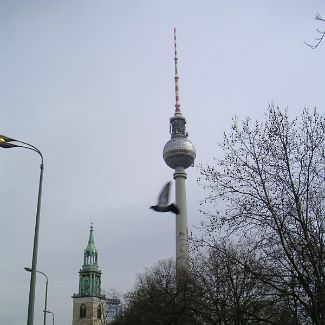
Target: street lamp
{"points": [[7, 143], [46, 285], [50, 313]]}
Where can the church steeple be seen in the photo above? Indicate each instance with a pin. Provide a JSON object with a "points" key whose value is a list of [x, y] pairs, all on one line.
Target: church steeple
{"points": [[90, 275], [91, 235], [89, 302], [90, 253]]}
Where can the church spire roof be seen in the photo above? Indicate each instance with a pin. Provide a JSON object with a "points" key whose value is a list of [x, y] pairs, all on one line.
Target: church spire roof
{"points": [[91, 235], [90, 253], [91, 248]]}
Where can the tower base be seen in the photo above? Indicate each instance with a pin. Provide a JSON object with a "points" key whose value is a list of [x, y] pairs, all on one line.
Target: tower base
{"points": [[88, 311]]}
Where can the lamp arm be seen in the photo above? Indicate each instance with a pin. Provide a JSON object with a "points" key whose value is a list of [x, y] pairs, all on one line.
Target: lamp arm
{"points": [[30, 147]]}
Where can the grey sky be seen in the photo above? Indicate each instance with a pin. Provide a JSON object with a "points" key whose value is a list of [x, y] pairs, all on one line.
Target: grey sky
{"points": [[90, 83]]}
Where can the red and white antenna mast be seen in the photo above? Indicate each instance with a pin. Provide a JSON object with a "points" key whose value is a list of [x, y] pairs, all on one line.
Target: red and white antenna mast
{"points": [[177, 105]]}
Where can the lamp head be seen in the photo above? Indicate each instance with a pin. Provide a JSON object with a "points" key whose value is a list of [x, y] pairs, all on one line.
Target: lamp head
{"points": [[28, 269], [4, 138], [6, 145]]}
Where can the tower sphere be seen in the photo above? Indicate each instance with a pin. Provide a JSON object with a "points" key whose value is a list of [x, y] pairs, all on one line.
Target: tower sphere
{"points": [[179, 152]]}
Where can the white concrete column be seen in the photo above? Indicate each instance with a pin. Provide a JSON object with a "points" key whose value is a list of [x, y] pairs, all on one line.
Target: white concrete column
{"points": [[182, 250]]}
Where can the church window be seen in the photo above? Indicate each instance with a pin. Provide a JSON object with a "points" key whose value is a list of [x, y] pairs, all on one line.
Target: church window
{"points": [[83, 311], [99, 312]]}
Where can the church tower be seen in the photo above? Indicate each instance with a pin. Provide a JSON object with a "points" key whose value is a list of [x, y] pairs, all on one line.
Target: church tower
{"points": [[89, 303]]}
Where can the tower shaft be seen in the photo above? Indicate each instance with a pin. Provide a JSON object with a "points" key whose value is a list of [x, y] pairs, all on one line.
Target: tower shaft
{"points": [[182, 251]]}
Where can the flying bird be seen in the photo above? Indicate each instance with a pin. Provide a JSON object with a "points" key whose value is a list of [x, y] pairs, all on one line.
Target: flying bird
{"points": [[163, 201]]}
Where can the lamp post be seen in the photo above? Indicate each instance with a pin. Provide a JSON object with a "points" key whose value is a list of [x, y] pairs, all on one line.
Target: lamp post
{"points": [[47, 311], [46, 286], [7, 143]]}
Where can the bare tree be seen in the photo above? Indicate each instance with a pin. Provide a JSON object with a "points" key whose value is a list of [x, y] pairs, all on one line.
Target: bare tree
{"points": [[228, 287], [270, 186], [321, 33], [222, 288], [158, 298]]}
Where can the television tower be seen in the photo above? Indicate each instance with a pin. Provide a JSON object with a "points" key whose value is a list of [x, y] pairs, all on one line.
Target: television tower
{"points": [[179, 153]]}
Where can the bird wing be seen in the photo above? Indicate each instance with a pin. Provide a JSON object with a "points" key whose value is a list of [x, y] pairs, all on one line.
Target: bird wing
{"points": [[164, 195]]}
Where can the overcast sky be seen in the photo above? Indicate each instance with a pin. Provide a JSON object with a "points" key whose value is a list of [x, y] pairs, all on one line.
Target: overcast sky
{"points": [[90, 83]]}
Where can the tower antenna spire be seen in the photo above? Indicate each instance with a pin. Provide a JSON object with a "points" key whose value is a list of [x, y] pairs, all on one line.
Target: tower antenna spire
{"points": [[177, 104]]}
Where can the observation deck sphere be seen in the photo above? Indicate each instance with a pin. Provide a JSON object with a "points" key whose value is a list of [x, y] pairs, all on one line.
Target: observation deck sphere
{"points": [[179, 152]]}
